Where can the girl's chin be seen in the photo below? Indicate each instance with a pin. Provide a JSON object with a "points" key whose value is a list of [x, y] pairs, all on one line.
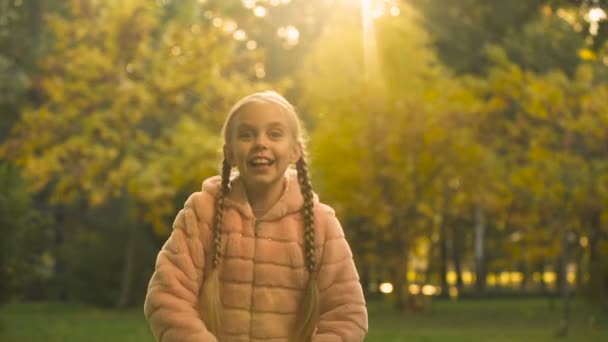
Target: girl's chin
{"points": [[262, 177]]}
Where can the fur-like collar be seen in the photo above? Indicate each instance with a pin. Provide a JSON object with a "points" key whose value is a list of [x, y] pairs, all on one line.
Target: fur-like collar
{"points": [[291, 199]]}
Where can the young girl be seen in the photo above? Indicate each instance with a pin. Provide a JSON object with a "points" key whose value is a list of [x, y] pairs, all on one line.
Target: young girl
{"points": [[256, 256]]}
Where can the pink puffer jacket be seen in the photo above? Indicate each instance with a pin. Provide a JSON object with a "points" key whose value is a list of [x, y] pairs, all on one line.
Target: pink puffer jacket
{"points": [[262, 275]]}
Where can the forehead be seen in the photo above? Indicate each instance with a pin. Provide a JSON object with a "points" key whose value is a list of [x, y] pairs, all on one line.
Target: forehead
{"points": [[260, 114]]}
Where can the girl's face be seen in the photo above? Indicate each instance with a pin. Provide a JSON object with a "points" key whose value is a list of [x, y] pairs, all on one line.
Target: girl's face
{"points": [[261, 145]]}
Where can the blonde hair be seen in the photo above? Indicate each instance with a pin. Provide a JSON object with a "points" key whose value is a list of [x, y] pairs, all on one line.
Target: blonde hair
{"points": [[308, 314]]}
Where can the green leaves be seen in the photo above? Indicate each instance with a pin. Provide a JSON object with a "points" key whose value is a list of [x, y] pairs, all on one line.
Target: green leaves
{"points": [[132, 106]]}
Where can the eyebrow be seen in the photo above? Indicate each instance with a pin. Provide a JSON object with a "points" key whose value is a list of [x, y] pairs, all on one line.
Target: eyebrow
{"points": [[271, 125]]}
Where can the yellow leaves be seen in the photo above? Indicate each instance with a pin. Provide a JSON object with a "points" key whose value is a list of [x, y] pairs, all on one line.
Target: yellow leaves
{"points": [[538, 153], [527, 178], [602, 185], [496, 104], [604, 215], [584, 76], [97, 197], [498, 56], [434, 134], [587, 55], [544, 98], [36, 171], [602, 247], [425, 209], [54, 88], [422, 246], [87, 63], [142, 138]]}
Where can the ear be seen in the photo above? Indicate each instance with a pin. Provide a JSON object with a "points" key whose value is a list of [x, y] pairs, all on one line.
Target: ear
{"points": [[229, 155], [296, 153]]}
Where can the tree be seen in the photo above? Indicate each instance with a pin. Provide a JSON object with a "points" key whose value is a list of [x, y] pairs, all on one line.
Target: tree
{"points": [[539, 34], [550, 138], [131, 109], [412, 112], [22, 225]]}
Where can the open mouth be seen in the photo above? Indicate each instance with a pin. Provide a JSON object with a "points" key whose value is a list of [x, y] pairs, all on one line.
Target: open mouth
{"points": [[260, 162]]}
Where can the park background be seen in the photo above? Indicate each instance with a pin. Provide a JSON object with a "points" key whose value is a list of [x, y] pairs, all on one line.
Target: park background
{"points": [[463, 144]]}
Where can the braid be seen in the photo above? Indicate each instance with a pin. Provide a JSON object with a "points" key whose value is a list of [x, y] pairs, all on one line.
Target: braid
{"points": [[219, 213], [211, 305], [309, 225], [308, 315]]}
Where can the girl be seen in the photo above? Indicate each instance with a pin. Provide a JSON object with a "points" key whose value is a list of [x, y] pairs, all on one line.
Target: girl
{"points": [[256, 256]]}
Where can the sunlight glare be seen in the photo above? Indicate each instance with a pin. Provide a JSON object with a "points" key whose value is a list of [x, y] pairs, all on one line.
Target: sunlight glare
{"points": [[378, 12], [596, 14], [217, 21], [260, 71], [517, 277], [451, 277], [549, 277], [369, 39], [386, 288], [239, 35], [290, 34], [230, 26], [395, 11], [249, 4], [429, 290], [259, 11], [467, 277], [491, 279], [571, 277], [251, 45]]}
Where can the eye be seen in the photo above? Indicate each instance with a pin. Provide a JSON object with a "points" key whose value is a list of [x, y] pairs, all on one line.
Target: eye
{"points": [[275, 134], [245, 135]]}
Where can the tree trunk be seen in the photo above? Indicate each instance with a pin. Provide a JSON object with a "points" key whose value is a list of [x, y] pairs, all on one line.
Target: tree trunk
{"points": [[480, 227], [35, 18], [524, 272], [457, 256], [443, 264], [593, 261], [402, 252], [443, 247], [58, 240], [563, 330], [543, 285], [129, 267], [400, 288]]}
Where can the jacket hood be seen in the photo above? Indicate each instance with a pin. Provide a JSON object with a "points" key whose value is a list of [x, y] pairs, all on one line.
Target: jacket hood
{"points": [[291, 199]]}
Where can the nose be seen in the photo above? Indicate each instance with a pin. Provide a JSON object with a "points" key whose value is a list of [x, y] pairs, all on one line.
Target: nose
{"points": [[261, 141]]}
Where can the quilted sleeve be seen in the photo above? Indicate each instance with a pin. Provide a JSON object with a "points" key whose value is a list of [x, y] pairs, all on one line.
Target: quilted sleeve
{"points": [[171, 304], [342, 305]]}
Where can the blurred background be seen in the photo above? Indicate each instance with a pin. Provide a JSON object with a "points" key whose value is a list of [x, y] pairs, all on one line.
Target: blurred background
{"points": [[463, 144]]}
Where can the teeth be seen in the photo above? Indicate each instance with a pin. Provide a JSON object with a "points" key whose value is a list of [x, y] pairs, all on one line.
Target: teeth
{"points": [[260, 161]]}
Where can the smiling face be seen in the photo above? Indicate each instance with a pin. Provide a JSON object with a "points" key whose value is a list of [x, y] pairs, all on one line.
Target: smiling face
{"points": [[261, 143]]}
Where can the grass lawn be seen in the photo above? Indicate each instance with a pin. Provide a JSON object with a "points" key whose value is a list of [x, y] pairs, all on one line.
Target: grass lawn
{"points": [[472, 320]]}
